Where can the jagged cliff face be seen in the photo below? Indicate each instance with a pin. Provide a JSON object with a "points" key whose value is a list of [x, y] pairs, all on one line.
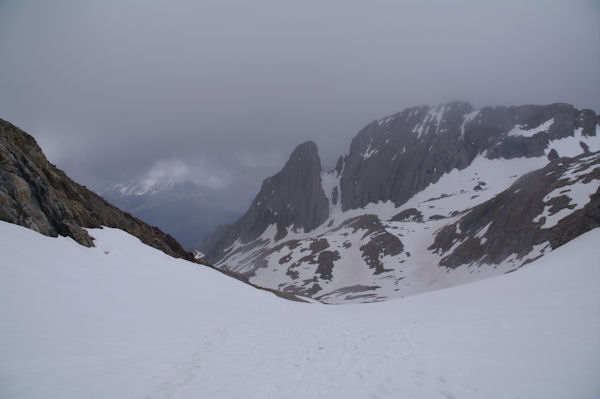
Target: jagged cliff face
{"points": [[425, 199], [419, 145], [36, 194], [293, 199]]}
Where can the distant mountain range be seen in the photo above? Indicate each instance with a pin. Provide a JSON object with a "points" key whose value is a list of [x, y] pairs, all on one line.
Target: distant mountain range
{"points": [[183, 209], [426, 198]]}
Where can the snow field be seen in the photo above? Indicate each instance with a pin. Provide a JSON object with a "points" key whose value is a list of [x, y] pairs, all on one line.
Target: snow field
{"points": [[520, 130], [134, 323]]}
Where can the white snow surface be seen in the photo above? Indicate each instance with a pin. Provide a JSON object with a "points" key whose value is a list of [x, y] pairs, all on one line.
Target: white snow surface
{"points": [[570, 146], [123, 320], [579, 192], [329, 182], [519, 130]]}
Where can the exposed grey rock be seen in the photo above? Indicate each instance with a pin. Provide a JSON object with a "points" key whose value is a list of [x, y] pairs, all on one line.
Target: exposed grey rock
{"points": [[326, 261], [36, 194], [293, 198], [584, 147], [393, 159], [319, 255], [334, 195], [408, 215], [380, 245], [510, 217], [380, 242]]}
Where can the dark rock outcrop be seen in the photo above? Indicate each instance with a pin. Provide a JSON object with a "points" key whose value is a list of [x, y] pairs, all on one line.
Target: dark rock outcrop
{"points": [[293, 198], [319, 255], [380, 243], [408, 215], [36, 194], [514, 222]]}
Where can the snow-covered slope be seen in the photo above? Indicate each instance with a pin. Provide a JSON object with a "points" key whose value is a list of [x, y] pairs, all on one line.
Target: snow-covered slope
{"points": [[125, 320]]}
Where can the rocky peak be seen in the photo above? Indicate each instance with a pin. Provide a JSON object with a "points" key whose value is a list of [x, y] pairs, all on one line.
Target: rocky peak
{"points": [[294, 196], [306, 154], [291, 199]]}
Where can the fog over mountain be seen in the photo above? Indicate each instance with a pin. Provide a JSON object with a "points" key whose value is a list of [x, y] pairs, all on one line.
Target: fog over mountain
{"points": [[219, 93]]}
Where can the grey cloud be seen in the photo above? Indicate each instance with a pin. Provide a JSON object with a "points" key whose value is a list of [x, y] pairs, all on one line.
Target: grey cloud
{"points": [[176, 171], [112, 88]]}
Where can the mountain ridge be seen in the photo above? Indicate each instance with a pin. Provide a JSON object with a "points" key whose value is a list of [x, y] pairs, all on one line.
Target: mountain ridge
{"points": [[420, 173], [301, 205]]}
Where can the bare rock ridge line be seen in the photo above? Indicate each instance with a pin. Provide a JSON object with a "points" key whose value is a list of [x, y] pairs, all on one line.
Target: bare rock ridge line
{"points": [[36, 194], [426, 198]]}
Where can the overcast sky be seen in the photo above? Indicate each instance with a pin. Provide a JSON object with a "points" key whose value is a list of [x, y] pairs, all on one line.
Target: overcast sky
{"points": [[222, 91]]}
